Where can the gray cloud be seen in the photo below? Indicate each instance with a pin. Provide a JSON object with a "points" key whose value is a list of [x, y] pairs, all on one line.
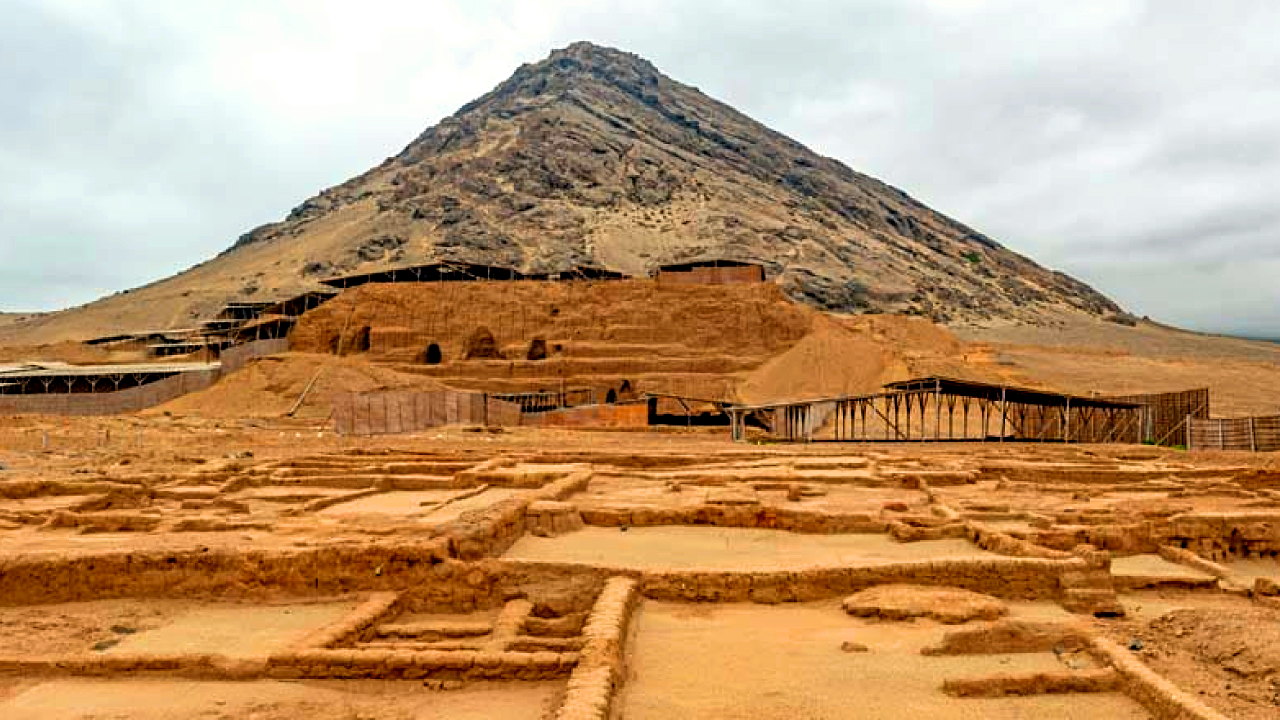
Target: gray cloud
{"points": [[1132, 144]]}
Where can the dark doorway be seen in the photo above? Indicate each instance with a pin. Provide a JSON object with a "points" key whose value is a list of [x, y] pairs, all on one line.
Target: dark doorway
{"points": [[481, 345], [537, 349], [432, 355]]}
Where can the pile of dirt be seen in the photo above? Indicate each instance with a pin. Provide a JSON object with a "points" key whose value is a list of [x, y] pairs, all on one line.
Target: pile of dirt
{"points": [[269, 386], [831, 360], [952, 606], [1230, 659], [858, 355]]}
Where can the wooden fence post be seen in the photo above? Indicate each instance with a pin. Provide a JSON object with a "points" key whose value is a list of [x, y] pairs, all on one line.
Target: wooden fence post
{"points": [[1004, 412], [1253, 439]]}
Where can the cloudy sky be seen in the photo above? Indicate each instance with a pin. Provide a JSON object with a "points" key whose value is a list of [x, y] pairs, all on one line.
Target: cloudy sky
{"points": [[1135, 145]]}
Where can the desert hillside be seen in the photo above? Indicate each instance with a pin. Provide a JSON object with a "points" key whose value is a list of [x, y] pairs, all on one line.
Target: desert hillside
{"points": [[1079, 353], [593, 156]]}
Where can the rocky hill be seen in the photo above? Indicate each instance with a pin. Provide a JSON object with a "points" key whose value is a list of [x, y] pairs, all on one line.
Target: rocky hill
{"points": [[592, 156]]}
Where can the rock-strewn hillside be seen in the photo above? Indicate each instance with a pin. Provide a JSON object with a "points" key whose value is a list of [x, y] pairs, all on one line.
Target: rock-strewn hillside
{"points": [[594, 156]]}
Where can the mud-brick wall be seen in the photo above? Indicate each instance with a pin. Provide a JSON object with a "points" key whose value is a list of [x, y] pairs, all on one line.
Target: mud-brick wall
{"points": [[110, 403], [622, 415], [1222, 536]]}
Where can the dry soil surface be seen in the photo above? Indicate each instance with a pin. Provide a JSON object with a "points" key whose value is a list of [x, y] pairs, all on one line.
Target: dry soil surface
{"points": [[745, 662]]}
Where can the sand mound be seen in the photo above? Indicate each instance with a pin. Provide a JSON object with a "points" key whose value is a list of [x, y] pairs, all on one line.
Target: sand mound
{"points": [[1228, 657], [1009, 636], [1246, 645], [269, 386], [831, 360], [904, 602], [858, 355]]}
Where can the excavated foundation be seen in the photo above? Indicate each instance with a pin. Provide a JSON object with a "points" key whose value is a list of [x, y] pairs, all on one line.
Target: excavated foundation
{"points": [[560, 584]]}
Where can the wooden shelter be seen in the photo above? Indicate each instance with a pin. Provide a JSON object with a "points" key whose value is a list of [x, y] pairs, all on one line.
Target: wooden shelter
{"points": [[948, 409]]}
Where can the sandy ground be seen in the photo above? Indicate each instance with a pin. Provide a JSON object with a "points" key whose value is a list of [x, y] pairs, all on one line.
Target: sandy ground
{"points": [[235, 630], [270, 700], [475, 502], [1224, 650], [727, 548], [1251, 568], [1154, 566], [762, 661], [79, 627], [752, 661], [405, 502], [1083, 354], [162, 626]]}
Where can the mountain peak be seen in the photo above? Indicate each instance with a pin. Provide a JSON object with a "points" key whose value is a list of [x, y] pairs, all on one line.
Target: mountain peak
{"points": [[564, 70], [593, 156], [589, 53]]}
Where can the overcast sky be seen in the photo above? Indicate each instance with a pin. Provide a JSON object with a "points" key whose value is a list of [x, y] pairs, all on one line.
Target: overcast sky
{"points": [[1135, 145]]}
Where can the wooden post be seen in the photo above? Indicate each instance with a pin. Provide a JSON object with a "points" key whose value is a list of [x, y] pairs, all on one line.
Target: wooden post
{"points": [[1004, 414], [1253, 439], [937, 410], [1188, 423], [910, 401], [984, 407], [897, 420], [1066, 432]]}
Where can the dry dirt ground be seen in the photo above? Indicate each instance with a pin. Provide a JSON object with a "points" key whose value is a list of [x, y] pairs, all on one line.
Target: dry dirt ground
{"points": [[1083, 354], [163, 565]]}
